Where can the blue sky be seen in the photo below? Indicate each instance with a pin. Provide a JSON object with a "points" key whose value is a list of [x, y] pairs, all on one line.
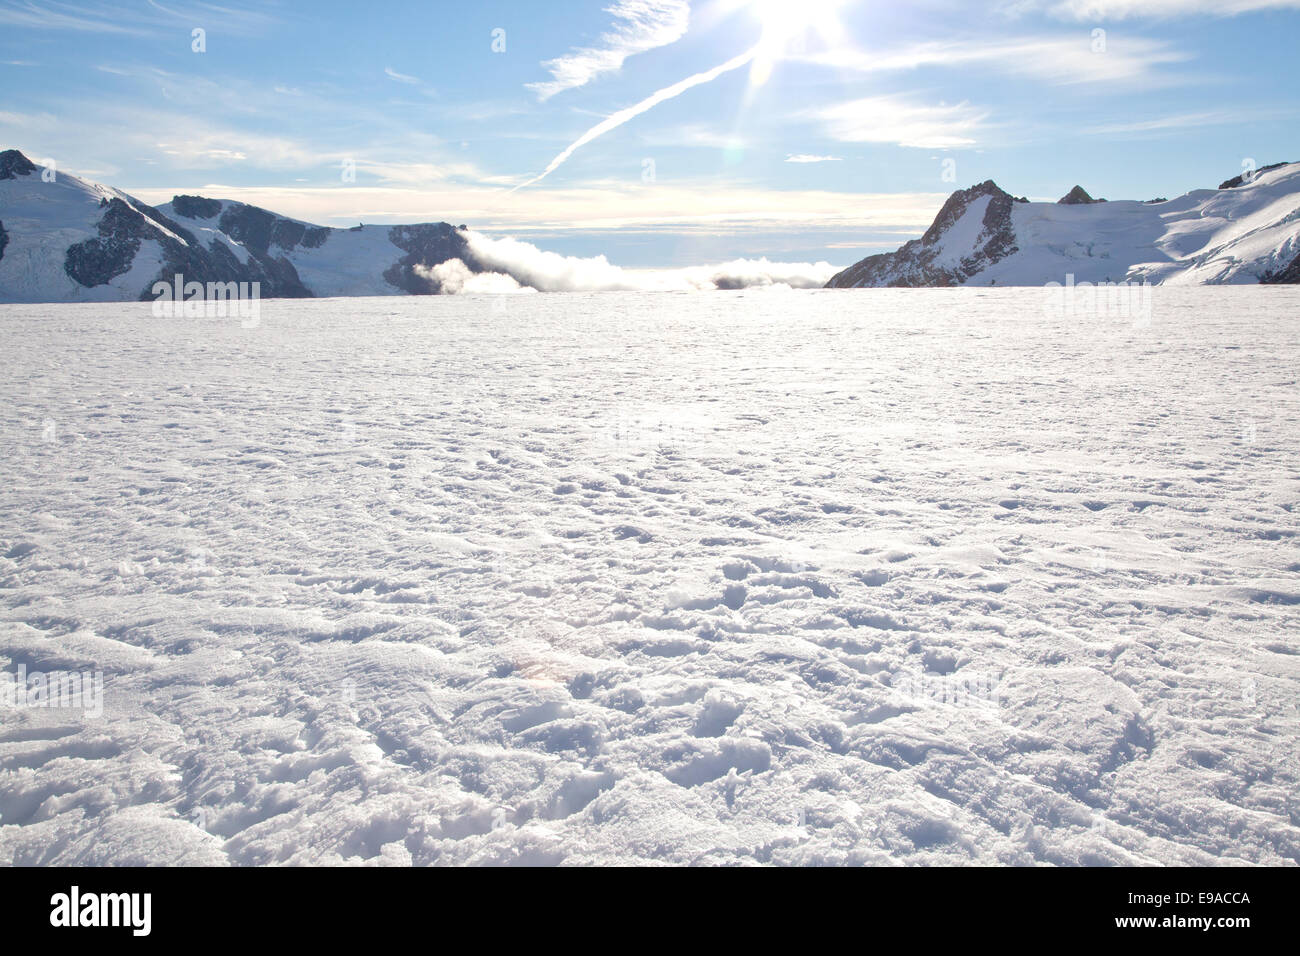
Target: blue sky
{"points": [[830, 140]]}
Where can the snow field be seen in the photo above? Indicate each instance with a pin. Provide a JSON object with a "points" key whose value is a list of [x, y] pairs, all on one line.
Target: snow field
{"points": [[882, 577]]}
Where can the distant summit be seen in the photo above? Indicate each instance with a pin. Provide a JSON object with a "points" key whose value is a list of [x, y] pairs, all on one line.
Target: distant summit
{"points": [[1078, 196], [14, 164]]}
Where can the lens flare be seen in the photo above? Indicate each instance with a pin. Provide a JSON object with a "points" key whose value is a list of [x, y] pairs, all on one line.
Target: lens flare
{"points": [[788, 24]]}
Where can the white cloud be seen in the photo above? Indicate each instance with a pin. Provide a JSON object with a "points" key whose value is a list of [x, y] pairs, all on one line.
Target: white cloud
{"points": [[703, 206], [400, 77], [513, 261], [1058, 60], [809, 158], [229, 18], [1184, 121], [201, 154], [120, 19], [83, 19], [694, 135], [1125, 9], [891, 119], [453, 277], [640, 26]]}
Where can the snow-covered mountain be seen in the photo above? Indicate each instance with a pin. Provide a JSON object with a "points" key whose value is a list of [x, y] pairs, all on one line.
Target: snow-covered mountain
{"points": [[1246, 231], [65, 239]]}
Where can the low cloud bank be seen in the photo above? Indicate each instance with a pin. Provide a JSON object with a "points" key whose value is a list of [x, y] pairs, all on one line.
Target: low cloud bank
{"points": [[515, 266], [453, 277]]}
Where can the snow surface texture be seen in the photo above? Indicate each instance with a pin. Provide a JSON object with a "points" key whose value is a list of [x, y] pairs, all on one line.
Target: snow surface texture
{"points": [[915, 577], [1206, 237]]}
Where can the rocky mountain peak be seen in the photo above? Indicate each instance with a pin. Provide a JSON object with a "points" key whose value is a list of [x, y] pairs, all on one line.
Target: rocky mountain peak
{"points": [[195, 207], [14, 164], [957, 205], [1078, 196], [932, 260]]}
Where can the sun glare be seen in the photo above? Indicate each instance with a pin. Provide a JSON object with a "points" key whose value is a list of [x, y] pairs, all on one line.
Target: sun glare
{"points": [[788, 24]]}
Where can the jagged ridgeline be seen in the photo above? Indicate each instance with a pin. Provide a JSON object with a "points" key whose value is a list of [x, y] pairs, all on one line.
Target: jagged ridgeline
{"points": [[982, 236], [934, 260], [66, 239]]}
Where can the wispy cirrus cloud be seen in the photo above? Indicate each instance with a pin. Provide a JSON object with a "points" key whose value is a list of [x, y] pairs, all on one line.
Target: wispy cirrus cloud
{"points": [[901, 122], [640, 26], [66, 16], [115, 19], [1057, 60], [1092, 10], [1183, 121], [401, 77], [231, 19], [607, 206], [810, 158]]}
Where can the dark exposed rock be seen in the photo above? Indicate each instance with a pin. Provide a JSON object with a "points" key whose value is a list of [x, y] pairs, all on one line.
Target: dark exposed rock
{"points": [[97, 261], [124, 221], [1244, 178], [1152, 202], [14, 164], [126, 227], [1078, 196], [427, 244], [915, 263], [265, 236], [93, 262], [259, 230], [1287, 276], [195, 207], [287, 233], [278, 277], [249, 225]]}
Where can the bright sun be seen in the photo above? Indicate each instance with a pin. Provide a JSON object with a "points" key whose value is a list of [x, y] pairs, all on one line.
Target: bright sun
{"points": [[787, 23], [785, 20]]}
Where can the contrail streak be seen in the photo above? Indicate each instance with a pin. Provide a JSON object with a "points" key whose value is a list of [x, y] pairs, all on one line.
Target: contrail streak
{"points": [[616, 120]]}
